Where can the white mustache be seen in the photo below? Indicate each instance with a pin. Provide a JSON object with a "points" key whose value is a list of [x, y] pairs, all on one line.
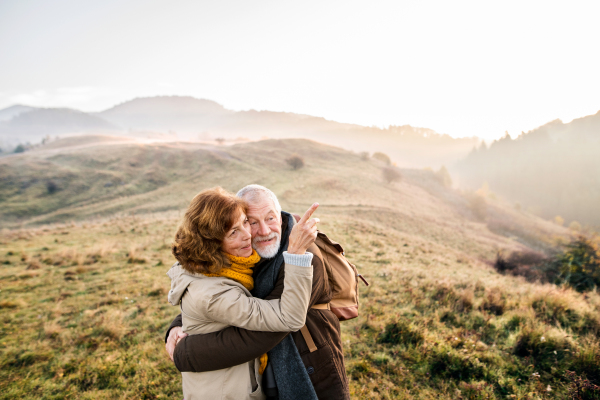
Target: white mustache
{"points": [[264, 238]]}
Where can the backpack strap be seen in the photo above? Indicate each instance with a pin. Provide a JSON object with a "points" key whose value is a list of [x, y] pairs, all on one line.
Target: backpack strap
{"points": [[308, 339], [304, 330], [325, 306]]}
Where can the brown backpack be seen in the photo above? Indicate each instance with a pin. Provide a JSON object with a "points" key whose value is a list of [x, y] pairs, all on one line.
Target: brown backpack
{"points": [[343, 278]]}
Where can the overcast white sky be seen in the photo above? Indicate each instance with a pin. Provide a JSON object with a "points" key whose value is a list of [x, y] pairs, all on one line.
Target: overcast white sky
{"points": [[459, 67]]}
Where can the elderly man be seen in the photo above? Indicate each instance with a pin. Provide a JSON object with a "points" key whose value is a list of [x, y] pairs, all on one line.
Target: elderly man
{"points": [[299, 372]]}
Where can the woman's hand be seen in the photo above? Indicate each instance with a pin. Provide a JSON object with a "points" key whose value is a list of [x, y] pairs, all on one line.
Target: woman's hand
{"points": [[175, 335], [304, 232]]}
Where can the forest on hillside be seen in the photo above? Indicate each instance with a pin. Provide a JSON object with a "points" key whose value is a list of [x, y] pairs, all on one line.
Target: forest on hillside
{"points": [[553, 171]]}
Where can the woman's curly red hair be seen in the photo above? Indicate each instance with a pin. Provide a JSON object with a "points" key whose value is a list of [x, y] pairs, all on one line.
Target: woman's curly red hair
{"points": [[210, 215]]}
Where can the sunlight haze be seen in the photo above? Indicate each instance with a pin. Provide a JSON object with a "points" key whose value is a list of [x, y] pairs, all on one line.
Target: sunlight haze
{"points": [[464, 68]]}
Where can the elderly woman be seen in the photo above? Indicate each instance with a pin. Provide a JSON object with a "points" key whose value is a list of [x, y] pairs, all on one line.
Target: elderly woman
{"points": [[212, 283]]}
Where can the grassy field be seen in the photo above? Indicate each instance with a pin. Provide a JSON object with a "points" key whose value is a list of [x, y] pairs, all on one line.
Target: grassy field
{"points": [[83, 303]]}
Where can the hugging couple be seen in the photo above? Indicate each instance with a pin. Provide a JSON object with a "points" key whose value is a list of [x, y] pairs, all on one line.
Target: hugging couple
{"points": [[249, 281]]}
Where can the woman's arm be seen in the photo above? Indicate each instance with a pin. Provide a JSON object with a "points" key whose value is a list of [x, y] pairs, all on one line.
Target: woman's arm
{"points": [[233, 346], [233, 307]]}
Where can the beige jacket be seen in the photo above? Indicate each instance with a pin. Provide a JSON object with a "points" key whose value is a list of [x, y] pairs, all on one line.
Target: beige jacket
{"points": [[210, 304]]}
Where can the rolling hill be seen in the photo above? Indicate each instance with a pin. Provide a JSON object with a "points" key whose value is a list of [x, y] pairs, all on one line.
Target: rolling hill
{"points": [[98, 176], [87, 223]]}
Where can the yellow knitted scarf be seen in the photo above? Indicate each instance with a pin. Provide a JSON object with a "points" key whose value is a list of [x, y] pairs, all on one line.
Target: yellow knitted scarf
{"points": [[241, 271]]}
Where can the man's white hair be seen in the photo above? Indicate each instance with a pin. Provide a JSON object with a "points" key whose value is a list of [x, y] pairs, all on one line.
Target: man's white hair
{"points": [[251, 191]]}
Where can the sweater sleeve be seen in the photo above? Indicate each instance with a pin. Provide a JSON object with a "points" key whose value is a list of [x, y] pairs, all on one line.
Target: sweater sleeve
{"points": [[230, 305]]}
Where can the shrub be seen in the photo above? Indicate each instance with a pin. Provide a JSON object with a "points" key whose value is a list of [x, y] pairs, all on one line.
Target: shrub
{"points": [[391, 174], [28, 358], [477, 390], [8, 304], [465, 301], [449, 364], [295, 161], [526, 263], [546, 349], [587, 361], [401, 332], [446, 295], [581, 388], [384, 158], [51, 187], [361, 369], [478, 206], [156, 292], [555, 309], [579, 265], [19, 149], [515, 321], [33, 264], [494, 302]]}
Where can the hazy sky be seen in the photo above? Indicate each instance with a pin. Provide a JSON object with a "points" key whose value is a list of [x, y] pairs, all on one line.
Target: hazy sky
{"points": [[458, 67]]}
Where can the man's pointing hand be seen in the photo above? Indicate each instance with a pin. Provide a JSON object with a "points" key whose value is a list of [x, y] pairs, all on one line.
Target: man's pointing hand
{"points": [[304, 232]]}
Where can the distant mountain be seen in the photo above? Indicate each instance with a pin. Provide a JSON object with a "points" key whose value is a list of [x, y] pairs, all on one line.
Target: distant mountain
{"points": [[167, 113], [58, 119], [12, 111], [189, 117], [32, 126], [553, 169]]}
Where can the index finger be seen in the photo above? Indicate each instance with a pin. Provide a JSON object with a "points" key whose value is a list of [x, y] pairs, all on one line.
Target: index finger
{"points": [[308, 213]]}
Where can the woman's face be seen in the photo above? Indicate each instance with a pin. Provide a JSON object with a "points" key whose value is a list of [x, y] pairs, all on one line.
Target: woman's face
{"points": [[237, 240]]}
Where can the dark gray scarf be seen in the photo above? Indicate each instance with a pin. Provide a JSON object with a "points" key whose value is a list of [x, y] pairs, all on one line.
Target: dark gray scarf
{"points": [[293, 382]]}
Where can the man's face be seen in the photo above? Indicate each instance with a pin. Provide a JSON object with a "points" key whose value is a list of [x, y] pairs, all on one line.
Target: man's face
{"points": [[265, 226]]}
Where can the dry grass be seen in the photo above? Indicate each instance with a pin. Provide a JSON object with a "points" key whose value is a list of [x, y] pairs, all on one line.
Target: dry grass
{"points": [[435, 322]]}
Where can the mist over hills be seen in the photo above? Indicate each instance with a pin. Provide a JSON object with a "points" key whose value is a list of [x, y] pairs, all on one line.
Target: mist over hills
{"points": [[193, 119], [552, 170]]}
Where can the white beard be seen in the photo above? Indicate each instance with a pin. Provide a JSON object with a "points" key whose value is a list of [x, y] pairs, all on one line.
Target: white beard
{"points": [[269, 251]]}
